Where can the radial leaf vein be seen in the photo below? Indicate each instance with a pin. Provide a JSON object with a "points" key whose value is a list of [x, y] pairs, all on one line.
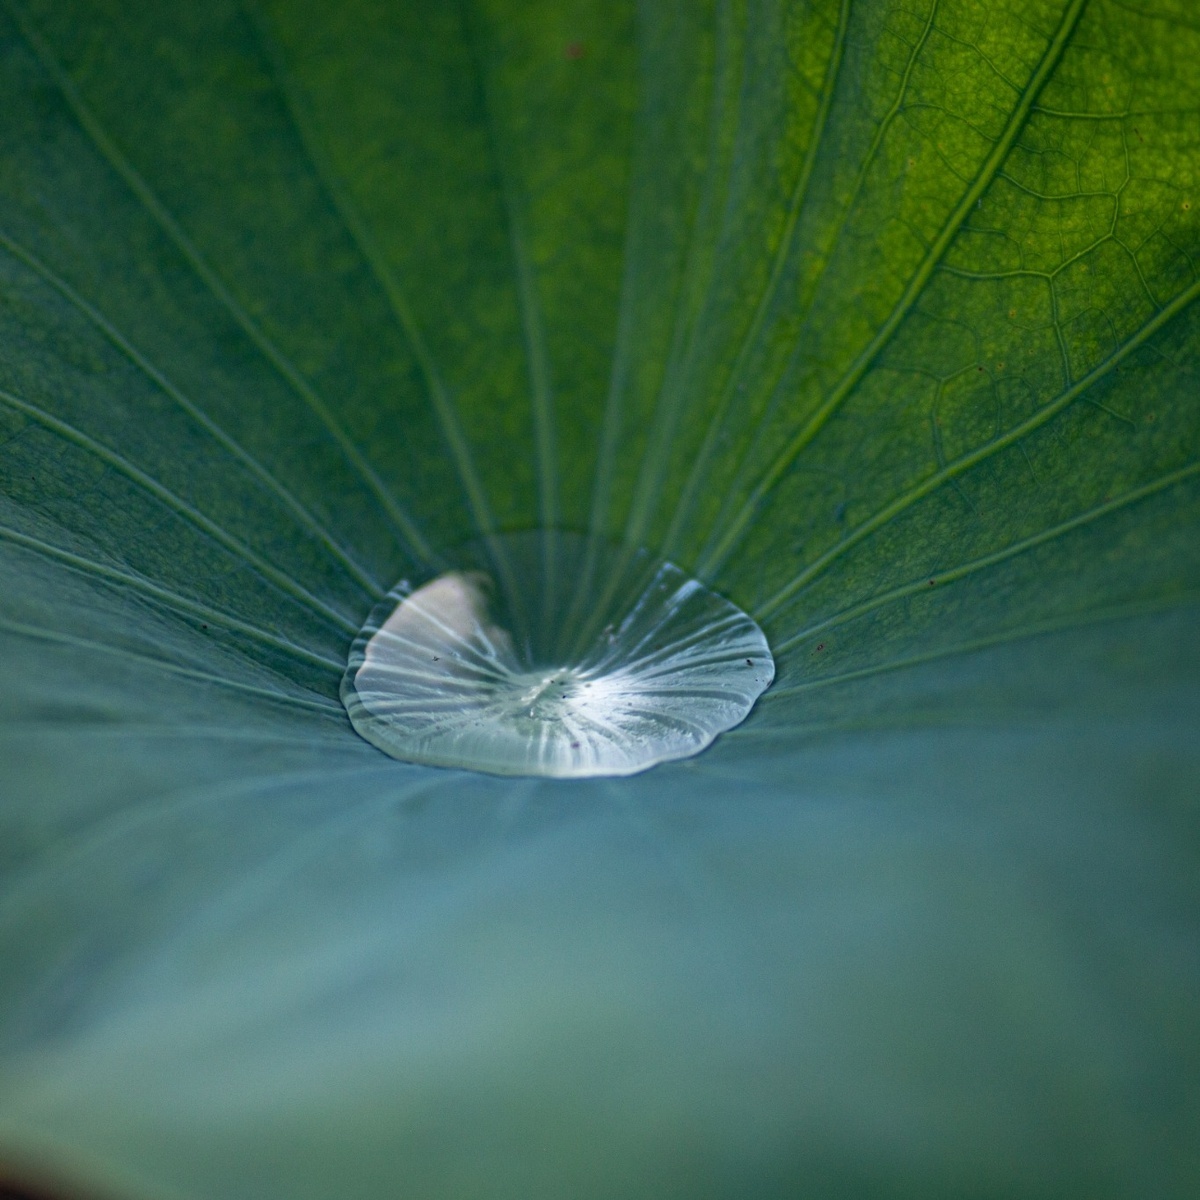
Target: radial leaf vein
{"points": [[368, 246], [729, 537], [177, 504], [1077, 620], [264, 476], [691, 284], [964, 463], [953, 574], [533, 326], [163, 218], [766, 300], [23, 629], [153, 591], [537, 355]]}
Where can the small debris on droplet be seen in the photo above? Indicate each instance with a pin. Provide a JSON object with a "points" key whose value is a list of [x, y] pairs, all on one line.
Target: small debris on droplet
{"points": [[492, 708]]}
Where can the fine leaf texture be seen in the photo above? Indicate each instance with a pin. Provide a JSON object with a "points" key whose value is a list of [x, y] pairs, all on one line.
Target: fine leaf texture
{"points": [[878, 318]]}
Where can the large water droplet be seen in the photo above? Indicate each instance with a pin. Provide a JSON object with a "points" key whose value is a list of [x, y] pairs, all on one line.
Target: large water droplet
{"points": [[553, 654]]}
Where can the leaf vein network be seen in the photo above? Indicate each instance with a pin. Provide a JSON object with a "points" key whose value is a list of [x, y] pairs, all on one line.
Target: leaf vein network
{"points": [[727, 539]]}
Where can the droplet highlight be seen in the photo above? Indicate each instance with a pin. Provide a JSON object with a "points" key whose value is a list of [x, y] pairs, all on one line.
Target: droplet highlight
{"points": [[553, 654]]}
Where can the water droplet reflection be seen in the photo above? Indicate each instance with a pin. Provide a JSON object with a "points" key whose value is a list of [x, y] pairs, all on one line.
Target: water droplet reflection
{"points": [[605, 662]]}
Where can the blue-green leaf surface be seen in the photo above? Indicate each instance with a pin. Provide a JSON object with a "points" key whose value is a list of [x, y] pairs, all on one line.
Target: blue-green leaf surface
{"points": [[876, 317]]}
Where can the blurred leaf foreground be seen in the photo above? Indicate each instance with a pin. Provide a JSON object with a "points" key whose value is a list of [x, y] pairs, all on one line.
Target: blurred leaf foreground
{"points": [[878, 318]]}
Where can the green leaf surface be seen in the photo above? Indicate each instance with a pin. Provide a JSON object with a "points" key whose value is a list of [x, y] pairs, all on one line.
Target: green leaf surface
{"points": [[876, 317]]}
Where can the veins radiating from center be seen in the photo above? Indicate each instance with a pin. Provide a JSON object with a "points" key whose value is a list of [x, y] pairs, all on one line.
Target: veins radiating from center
{"points": [[459, 673]]}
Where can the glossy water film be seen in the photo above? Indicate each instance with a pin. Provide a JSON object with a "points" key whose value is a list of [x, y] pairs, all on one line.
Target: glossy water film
{"points": [[553, 654]]}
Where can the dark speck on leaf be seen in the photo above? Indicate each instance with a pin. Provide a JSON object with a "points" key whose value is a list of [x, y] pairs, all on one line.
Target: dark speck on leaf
{"points": [[820, 647], [574, 50]]}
